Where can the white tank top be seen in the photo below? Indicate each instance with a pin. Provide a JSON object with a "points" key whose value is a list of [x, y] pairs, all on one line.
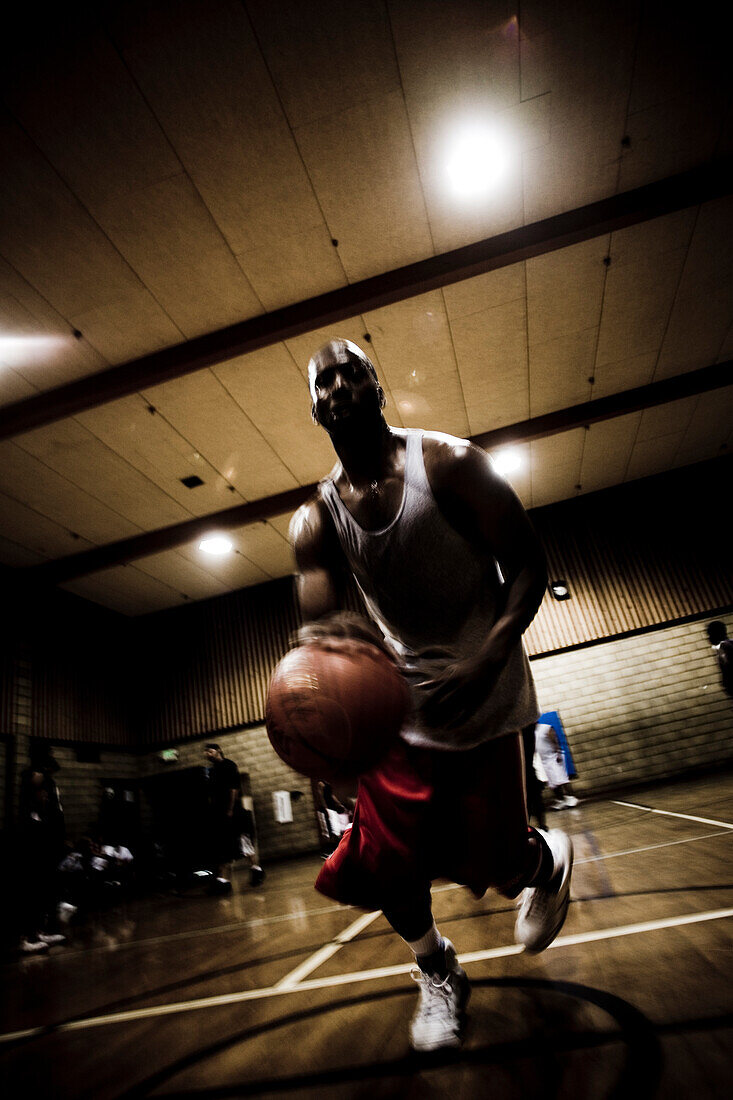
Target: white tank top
{"points": [[434, 595]]}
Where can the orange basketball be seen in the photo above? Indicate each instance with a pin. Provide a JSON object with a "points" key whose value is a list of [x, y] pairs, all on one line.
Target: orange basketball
{"points": [[334, 707]]}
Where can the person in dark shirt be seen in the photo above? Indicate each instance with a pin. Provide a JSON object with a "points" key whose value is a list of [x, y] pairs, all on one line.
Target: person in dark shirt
{"points": [[719, 640], [224, 789], [40, 847]]}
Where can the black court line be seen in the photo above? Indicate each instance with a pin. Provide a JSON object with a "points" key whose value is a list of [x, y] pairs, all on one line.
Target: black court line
{"points": [[639, 1074]]}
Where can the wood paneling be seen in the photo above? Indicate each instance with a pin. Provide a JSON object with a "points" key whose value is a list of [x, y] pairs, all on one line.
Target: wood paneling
{"points": [[206, 668], [649, 554]]}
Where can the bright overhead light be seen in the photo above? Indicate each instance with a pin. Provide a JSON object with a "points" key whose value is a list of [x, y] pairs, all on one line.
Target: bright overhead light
{"points": [[217, 545], [25, 351], [477, 159], [507, 462]]}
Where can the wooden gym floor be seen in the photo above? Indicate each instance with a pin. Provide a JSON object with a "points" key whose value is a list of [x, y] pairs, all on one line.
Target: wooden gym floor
{"points": [[208, 997]]}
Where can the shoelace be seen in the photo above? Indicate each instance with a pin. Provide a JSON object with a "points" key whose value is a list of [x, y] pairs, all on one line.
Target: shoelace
{"points": [[443, 987], [436, 1011]]}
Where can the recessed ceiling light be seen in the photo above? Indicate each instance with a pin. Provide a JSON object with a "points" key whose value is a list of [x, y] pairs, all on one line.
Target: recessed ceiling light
{"points": [[477, 159], [560, 590], [217, 545], [507, 462]]}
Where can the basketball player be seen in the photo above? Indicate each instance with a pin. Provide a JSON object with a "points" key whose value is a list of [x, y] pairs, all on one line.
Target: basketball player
{"points": [[452, 574]]}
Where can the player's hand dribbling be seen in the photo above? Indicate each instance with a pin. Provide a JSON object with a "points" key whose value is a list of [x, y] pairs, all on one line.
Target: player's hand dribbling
{"points": [[456, 691]]}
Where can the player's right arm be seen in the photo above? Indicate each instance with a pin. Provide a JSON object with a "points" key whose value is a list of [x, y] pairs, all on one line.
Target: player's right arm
{"points": [[319, 559], [321, 580]]}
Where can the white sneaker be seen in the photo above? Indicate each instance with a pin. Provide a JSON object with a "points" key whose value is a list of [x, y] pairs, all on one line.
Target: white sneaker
{"points": [[32, 947], [65, 911], [438, 1020], [51, 938], [542, 909], [571, 801]]}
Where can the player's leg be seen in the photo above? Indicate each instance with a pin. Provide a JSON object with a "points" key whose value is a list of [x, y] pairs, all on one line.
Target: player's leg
{"points": [[493, 845], [444, 989], [542, 859]]}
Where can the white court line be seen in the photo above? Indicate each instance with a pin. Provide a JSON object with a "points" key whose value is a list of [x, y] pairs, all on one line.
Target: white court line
{"points": [[334, 980], [607, 855], [670, 813], [256, 922], [326, 952]]}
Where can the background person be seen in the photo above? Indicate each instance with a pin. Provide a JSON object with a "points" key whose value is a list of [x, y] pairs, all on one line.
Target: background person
{"points": [[224, 792], [723, 646]]}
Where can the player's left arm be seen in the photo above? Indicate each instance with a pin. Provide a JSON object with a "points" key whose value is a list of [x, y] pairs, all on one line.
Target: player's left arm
{"points": [[485, 509]]}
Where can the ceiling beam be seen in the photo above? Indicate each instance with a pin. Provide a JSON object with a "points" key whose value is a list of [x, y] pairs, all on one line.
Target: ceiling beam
{"points": [[690, 188], [257, 511]]}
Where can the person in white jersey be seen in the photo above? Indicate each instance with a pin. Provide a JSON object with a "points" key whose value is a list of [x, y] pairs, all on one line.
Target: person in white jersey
{"points": [[452, 574]]}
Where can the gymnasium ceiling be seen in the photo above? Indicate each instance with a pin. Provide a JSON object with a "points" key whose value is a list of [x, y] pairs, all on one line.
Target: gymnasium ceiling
{"points": [[174, 176]]}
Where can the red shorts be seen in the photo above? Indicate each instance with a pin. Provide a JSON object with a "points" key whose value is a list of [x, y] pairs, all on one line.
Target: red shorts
{"points": [[423, 814]]}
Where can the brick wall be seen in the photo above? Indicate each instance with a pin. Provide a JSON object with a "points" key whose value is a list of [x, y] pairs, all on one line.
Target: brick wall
{"points": [[251, 752], [641, 708], [81, 784]]}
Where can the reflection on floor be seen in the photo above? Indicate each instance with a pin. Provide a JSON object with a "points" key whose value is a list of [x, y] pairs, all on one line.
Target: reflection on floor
{"points": [[275, 990]]}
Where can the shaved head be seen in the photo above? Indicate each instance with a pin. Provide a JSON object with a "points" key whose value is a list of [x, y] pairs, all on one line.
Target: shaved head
{"points": [[336, 351]]}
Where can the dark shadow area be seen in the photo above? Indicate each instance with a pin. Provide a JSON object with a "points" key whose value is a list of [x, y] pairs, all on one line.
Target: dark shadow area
{"points": [[638, 1076]]}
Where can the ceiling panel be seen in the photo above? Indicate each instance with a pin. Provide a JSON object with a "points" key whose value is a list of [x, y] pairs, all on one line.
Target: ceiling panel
{"points": [[301, 266], [171, 168], [325, 53], [191, 579], [199, 407], [653, 456], [35, 484], [663, 420], [372, 199], [271, 390], [606, 452], [142, 437], [85, 462], [471, 82], [556, 466], [207, 82], [170, 240], [702, 314], [36, 343], [491, 348], [16, 556], [508, 284], [126, 589], [28, 528], [624, 374], [413, 343], [561, 371], [710, 430], [640, 290], [50, 239]]}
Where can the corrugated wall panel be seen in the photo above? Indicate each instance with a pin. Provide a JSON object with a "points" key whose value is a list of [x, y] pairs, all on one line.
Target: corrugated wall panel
{"points": [[647, 553], [6, 690], [76, 699], [208, 665]]}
